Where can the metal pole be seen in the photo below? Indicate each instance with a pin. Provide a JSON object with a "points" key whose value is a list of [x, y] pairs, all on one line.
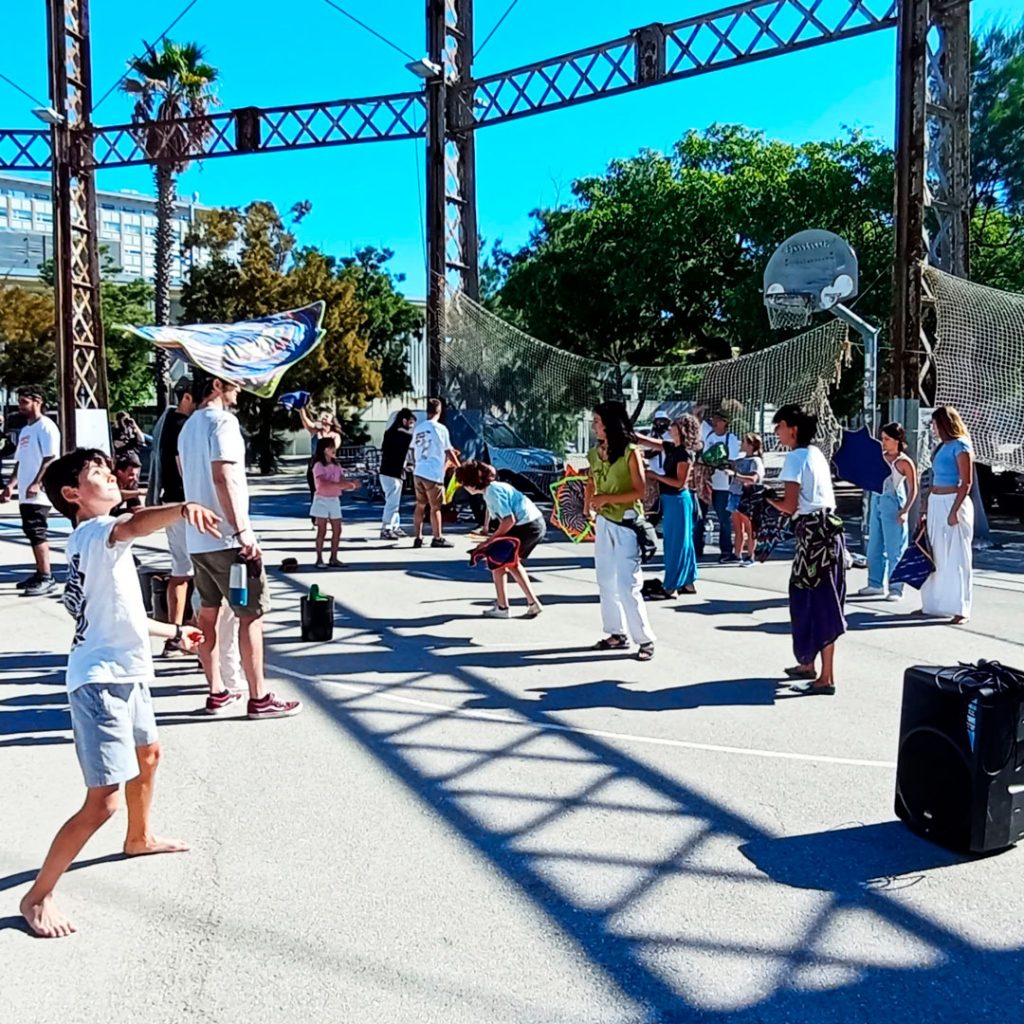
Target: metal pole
{"points": [[911, 118], [435, 195], [81, 360]]}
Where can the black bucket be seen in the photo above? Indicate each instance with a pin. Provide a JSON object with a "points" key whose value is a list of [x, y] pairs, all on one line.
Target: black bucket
{"points": [[317, 619]]}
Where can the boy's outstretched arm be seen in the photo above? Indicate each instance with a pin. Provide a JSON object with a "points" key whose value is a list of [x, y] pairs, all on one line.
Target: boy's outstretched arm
{"points": [[159, 517]]}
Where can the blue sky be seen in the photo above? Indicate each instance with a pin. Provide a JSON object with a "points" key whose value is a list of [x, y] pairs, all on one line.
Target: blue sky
{"points": [[271, 54]]}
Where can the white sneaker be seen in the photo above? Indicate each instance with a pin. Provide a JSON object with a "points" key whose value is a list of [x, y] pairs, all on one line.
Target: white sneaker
{"points": [[494, 612], [893, 597], [871, 592], [399, 532], [533, 610]]}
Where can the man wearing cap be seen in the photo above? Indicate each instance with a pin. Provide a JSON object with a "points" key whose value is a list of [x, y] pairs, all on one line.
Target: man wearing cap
{"points": [[127, 468], [38, 446], [661, 422]]}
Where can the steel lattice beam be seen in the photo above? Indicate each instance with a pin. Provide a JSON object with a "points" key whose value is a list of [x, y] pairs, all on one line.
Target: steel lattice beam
{"points": [[736, 35], [25, 150]]}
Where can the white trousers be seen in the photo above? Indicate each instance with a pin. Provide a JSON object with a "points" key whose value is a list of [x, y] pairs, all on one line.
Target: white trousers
{"points": [[392, 489], [948, 591], [228, 656], [619, 580]]}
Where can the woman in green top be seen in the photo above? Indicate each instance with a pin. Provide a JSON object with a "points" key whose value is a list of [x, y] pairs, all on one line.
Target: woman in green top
{"points": [[615, 491]]}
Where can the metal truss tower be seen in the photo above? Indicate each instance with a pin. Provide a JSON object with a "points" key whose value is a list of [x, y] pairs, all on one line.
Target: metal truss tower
{"points": [[81, 364], [933, 176], [452, 241]]}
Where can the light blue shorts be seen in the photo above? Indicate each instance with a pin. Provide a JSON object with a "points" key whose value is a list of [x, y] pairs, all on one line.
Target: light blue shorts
{"points": [[109, 721]]}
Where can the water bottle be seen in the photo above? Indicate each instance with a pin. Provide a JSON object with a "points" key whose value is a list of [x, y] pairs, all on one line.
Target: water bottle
{"points": [[238, 583]]}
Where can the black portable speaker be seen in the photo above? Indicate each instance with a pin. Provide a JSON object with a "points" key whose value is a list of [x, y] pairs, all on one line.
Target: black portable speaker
{"points": [[960, 768]]}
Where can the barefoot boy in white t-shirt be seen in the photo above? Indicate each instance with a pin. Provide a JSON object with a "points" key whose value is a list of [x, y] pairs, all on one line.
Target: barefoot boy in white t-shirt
{"points": [[110, 667]]}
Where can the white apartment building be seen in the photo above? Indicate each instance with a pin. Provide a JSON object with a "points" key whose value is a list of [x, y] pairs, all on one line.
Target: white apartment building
{"points": [[126, 222]]}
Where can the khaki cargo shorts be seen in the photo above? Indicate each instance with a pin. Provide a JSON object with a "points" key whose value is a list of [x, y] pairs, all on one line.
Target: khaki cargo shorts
{"points": [[213, 578], [429, 492]]}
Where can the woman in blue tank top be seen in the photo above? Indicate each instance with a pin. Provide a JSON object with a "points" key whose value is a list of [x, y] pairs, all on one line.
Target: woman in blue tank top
{"points": [[950, 517]]}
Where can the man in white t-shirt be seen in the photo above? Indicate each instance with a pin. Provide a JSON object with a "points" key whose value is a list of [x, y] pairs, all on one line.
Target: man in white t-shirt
{"points": [[38, 446], [432, 451], [212, 454], [718, 432]]}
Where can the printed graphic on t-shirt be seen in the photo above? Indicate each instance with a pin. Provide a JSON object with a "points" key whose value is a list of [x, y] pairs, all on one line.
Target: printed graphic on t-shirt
{"points": [[74, 598]]}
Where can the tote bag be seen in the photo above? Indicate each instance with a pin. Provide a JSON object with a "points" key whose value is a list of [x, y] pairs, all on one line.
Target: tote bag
{"points": [[916, 563]]}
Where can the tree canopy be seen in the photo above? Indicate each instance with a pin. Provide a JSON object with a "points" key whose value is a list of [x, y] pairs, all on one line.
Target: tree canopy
{"points": [[255, 267]]}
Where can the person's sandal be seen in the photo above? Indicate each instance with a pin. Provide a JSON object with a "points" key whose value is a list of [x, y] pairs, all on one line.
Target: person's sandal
{"points": [[799, 672], [615, 642], [645, 653], [808, 689]]}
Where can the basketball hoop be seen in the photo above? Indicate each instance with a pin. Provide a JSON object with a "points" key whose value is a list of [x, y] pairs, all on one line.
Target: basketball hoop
{"points": [[811, 271], [788, 311]]}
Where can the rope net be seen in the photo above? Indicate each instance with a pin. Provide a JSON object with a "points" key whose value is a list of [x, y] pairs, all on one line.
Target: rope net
{"points": [[545, 394], [979, 364]]}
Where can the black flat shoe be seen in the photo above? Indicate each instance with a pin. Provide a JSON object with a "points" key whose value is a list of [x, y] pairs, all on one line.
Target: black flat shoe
{"points": [[799, 672], [808, 689]]}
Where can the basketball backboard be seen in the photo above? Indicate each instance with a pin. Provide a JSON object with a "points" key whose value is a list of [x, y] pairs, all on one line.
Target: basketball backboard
{"points": [[811, 271]]}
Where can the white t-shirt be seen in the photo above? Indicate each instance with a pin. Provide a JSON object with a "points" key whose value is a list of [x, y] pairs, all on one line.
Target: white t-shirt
{"points": [[102, 592], [211, 435], [37, 441], [808, 467], [720, 480], [430, 441]]}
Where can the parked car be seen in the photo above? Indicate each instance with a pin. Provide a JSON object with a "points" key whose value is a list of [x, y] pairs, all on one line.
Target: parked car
{"points": [[478, 435]]}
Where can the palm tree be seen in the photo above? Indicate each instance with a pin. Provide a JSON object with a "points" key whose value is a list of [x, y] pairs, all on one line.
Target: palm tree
{"points": [[170, 85]]}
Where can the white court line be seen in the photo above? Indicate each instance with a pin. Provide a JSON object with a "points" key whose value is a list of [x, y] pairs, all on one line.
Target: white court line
{"points": [[602, 734]]}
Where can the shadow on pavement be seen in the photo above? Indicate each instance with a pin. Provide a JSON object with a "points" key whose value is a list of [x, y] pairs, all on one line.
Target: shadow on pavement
{"points": [[25, 877], [609, 694], [635, 901]]}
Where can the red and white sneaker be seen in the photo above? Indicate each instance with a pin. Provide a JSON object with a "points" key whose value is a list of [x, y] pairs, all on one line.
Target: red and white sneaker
{"points": [[269, 706], [218, 703]]}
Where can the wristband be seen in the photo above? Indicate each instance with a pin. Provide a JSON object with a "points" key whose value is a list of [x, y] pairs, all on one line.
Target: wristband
{"points": [[184, 505], [178, 633]]}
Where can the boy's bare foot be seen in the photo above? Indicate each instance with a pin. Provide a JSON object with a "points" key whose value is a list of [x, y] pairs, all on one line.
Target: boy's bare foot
{"points": [[44, 918], [154, 845]]}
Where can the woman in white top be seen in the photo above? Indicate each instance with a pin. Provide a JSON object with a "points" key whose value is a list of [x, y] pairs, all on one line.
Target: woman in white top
{"points": [[817, 582], [887, 533]]}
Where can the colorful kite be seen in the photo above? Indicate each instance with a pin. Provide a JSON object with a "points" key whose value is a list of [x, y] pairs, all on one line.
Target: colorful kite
{"points": [[498, 553], [294, 399], [567, 514], [254, 354], [860, 461]]}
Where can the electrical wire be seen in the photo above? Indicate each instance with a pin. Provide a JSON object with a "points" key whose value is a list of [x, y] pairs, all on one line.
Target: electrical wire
{"points": [[163, 35], [372, 31], [24, 92], [497, 25]]}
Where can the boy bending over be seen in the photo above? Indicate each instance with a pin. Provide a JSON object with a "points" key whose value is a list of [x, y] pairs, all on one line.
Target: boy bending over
{"points": [[109, 668]]}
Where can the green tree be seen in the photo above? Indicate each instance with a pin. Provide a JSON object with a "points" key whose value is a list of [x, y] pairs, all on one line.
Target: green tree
{"points": [[26, 338], [169, 84], [997, 118], [389, 317], [661, 258], [270, 274], [129, 357]]}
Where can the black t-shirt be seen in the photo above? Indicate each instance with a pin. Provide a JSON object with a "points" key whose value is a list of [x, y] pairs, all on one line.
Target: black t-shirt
{"points": [[393, 451], [171, 487], [675, 455]]}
